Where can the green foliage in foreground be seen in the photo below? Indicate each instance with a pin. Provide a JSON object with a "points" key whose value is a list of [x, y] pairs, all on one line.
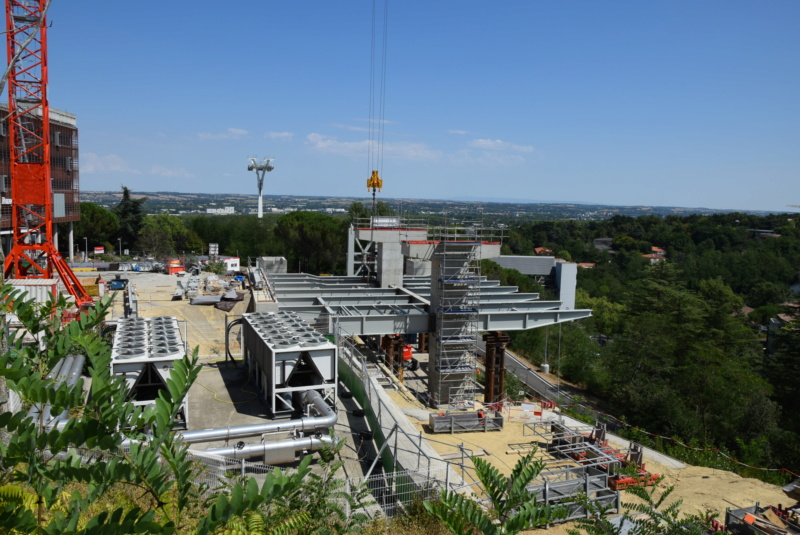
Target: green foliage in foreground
{"points": [[141, 479], [649, 515], [513, 506]]}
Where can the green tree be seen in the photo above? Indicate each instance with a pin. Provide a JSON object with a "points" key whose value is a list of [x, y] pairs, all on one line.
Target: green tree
{"points": [[314, 242], [32, 459], [513, 507], [148, 486], [97, 224], [684, 365], [325, 499], [240, 235], [358, 212], [130, 213], [165, 234]]}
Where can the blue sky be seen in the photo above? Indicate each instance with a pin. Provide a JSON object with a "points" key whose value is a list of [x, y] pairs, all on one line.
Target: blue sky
{"points": [[680, 103]]}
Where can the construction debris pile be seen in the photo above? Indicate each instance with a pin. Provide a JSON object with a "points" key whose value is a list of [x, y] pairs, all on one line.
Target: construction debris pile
{"points": [[218, 292], [769, 520]]}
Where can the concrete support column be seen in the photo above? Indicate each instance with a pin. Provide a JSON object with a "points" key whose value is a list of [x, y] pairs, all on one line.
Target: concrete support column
{"points": [[496, 343], [351, 251], [390, 265], [71, 241]]}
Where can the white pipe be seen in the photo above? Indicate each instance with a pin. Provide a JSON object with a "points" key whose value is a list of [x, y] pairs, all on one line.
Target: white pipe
{"points": [[282, 451], [60, 377], [326, 420], [71, 379], [35, 409]]}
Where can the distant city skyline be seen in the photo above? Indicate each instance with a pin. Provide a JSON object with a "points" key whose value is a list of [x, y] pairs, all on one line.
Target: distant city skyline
{"points": [[159, 200], [623, 103]]}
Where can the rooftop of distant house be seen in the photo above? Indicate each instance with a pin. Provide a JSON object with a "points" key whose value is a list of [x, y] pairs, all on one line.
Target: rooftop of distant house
{"points": [[763, 233]]}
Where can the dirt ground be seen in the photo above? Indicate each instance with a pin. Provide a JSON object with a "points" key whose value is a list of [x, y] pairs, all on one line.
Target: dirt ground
{"points": [[701, 489], [204, 325]]}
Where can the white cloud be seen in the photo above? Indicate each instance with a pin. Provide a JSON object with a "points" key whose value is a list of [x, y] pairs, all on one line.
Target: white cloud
{"points": [[230, 133], [459, 132], [331, 145], [287, 136], [410, 151], [160, 170], [110, 163], [471, 157], [499, 144], [350, 127]]}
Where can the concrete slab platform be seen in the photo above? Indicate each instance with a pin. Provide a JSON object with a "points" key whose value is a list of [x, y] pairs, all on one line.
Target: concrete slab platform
{"points": [[222, 396]]}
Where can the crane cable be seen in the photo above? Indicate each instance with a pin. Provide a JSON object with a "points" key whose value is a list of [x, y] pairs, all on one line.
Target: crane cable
{"points": [[376, 125]]}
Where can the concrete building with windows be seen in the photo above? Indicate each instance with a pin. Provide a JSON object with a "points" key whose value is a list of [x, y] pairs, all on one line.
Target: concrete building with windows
{"points": [[63, 168]]}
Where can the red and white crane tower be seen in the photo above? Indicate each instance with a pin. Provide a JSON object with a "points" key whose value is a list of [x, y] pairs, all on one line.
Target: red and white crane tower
{"points": [[33, 254]]}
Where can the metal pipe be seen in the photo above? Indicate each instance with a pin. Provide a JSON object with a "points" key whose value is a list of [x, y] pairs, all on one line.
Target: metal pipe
{"points": [[33, 412], [60, 377], [281, 451], [71, 379], [326, 419]]}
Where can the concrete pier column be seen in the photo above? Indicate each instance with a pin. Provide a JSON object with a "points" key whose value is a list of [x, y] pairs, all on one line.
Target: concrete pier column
{"points": [[71, 242]]}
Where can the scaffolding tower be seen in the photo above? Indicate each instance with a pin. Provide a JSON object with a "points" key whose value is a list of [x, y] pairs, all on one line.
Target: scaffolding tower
{"points": [[455, 302]]}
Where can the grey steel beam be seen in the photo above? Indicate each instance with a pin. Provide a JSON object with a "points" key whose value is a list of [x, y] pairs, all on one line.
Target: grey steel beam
{"points": [[524, 320], [384, 321], [311, 291], [406, 297], [350, 300], [389, 308]]}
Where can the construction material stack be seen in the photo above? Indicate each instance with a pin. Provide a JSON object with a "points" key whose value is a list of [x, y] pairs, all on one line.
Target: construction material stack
{"points": [[589, 447], [758, 520]]}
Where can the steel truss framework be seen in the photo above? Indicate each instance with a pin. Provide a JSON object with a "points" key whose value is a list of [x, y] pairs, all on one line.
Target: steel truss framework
{"points": [[32, 254], [453, 305], [361, 309]]}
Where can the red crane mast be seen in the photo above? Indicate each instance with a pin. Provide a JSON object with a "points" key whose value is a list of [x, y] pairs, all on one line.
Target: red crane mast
{"points": [[32, 253]]}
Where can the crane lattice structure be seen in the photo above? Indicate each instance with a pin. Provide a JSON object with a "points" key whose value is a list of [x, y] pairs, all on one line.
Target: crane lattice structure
{"points": [[32, 254]]}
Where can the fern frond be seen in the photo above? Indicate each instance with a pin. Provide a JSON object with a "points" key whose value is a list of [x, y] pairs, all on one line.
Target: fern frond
{"points": [[16, 495]]}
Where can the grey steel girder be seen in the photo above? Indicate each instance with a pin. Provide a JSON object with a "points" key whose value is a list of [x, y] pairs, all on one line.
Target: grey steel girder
{"points": [[378, 319], [380, 323], [290, 301]]}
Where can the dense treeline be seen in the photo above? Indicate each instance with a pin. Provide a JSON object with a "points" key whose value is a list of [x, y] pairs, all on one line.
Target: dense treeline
{"points": [[724, 246], [311, 242], [683, 357]]}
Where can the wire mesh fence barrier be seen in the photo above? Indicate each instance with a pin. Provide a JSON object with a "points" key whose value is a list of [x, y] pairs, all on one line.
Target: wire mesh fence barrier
{"points": [[408, 450], [216, 473], [395, 492]]}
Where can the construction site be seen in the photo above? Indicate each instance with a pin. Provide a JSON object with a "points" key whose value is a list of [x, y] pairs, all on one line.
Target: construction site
{"points": [[388, 358], [402, 359]]}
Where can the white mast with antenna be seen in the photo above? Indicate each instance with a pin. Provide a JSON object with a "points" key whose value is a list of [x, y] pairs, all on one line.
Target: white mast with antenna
{"points": [[261, 168]]}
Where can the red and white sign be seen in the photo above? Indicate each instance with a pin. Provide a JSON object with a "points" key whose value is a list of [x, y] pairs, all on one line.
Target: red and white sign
{"points": [[99, 250]]}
